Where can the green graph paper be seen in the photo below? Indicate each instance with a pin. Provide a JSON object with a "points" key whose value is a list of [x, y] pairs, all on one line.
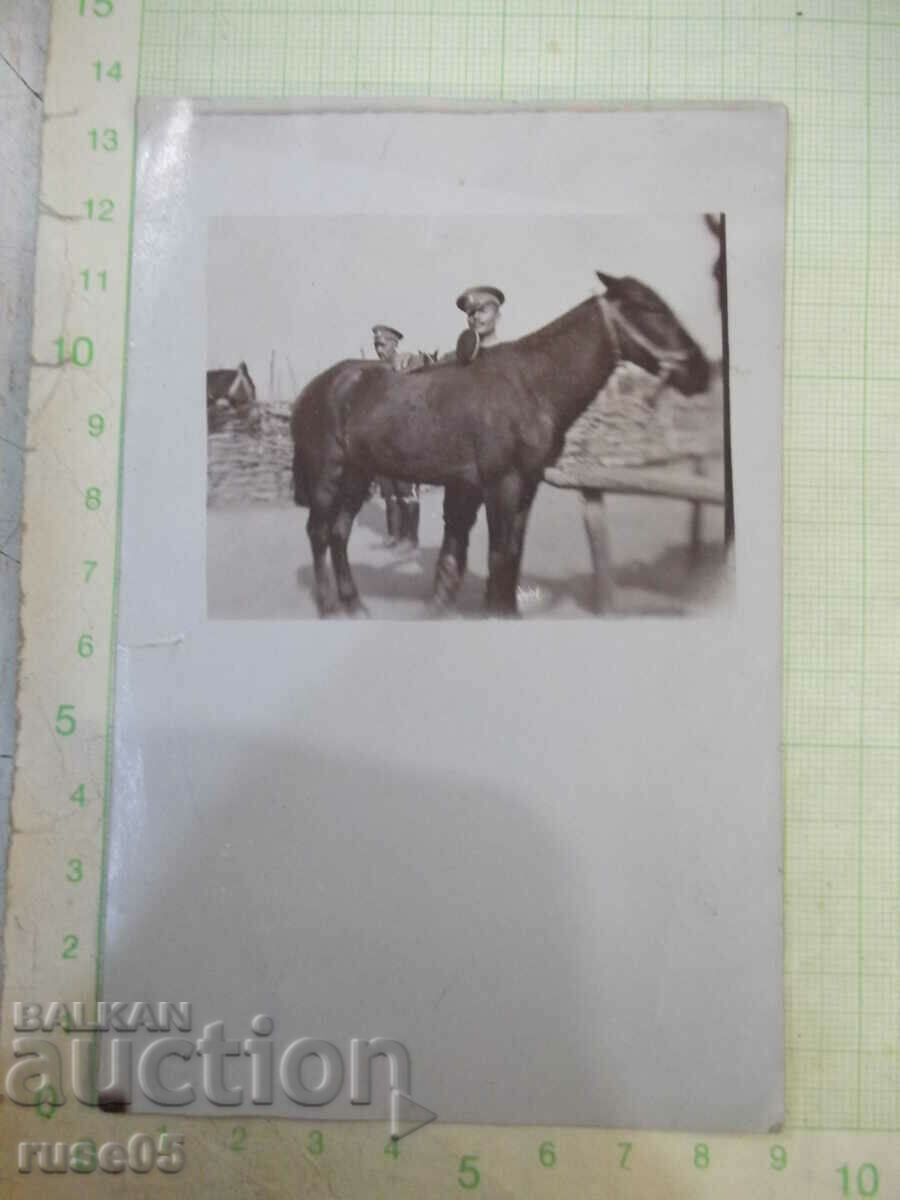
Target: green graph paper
{"points": [[836, 65]]}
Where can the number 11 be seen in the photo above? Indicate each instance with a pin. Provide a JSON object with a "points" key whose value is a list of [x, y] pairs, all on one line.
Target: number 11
{"points": [[100, 276]]}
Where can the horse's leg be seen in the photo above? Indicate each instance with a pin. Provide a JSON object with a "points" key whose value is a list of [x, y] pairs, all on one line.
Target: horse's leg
{"points": [[461, 504], [508, 505], [355, 492], [318, 528]]}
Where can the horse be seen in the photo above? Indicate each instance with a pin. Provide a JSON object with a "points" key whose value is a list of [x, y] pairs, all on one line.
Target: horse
{"points": [[234, 387], [485, 431]]}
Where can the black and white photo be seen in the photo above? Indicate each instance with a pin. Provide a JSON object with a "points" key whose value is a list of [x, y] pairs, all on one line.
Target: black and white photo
{"points": [[459, 367], [549, 444]]}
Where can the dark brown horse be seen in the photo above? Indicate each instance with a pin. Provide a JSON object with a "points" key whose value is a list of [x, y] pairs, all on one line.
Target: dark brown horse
{"points": [[486, 431]]}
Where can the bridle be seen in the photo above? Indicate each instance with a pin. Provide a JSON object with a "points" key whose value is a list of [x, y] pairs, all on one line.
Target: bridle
{"points": [[616, 321]]}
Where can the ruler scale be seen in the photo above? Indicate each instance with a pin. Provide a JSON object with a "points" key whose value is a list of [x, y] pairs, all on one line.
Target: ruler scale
{"points": [[71, 498], [54, 924]]}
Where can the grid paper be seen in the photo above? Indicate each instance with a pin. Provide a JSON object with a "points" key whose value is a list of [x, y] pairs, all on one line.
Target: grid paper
{"points": [[834, 63]]}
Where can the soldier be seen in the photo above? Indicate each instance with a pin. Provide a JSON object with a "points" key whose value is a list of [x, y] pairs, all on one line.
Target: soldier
{"points": [[400, 498], [387, 344], [482, 308]]}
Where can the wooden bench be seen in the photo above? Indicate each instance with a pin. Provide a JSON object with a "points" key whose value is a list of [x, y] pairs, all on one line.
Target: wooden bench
{"points": [[685, 482]]}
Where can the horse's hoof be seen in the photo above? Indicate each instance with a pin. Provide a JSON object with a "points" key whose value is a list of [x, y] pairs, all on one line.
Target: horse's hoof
{"points": [[441, 602], [327, 606], [439, 608], [356, 608], [501, 611]]}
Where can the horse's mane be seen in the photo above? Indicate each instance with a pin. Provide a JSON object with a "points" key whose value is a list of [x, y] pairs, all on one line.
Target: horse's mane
{"points": [[529, 341], [537, 337]]}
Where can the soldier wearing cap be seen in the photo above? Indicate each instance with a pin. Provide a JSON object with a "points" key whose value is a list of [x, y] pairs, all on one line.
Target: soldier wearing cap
{"points": [[400, 498], [387, 345], [481, 305]]}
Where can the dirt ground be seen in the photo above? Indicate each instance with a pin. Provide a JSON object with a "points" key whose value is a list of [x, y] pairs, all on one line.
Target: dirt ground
{"points": [[259, 565]]}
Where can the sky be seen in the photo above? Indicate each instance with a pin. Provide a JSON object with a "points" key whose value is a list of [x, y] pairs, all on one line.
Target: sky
{"points": [[310, 288]]}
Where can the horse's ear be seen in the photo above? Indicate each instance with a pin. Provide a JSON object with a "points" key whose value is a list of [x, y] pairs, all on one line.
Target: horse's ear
{"points": [[609, 281]]}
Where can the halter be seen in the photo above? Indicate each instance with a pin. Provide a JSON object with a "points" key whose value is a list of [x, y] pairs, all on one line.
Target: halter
{"points": [[667, 360]]}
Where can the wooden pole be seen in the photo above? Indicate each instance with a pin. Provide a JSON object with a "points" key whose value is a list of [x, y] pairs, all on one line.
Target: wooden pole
{"points": [[726, 384], [597, 530], [296, 390]]}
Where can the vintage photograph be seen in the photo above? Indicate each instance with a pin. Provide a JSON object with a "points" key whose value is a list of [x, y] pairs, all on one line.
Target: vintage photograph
{"points": [[410, 418], [461, 367]]}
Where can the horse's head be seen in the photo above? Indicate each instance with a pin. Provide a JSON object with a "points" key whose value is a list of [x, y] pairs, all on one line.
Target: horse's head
{"points": [[646, 331], [249, 385], [242, 395]]}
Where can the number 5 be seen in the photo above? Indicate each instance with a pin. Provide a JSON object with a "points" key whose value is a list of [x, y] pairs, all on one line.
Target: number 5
{"points": [[469, 1177], [65, 720], [171, 1152]]}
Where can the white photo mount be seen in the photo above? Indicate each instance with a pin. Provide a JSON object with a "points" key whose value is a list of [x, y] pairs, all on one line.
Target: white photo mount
{"points": [[543, 856]]}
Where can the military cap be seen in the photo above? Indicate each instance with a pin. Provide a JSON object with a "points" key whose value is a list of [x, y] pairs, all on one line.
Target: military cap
{"points": [[388, 329], [474, 297]]}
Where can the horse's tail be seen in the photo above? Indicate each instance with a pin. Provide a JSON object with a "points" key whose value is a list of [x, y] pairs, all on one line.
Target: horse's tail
{"points": [[317, 431], [301, 491]]}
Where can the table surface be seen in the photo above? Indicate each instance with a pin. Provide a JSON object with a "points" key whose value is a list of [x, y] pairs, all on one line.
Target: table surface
{"points": [[834, 64]]}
